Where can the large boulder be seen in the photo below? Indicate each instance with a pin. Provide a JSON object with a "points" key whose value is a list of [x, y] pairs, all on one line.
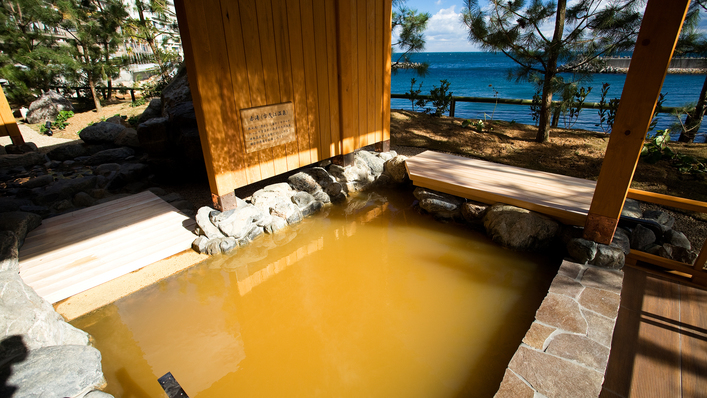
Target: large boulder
{"points": [[153, 110], [27, 315], [438, 203], [20, 223], [28, 159], [396, 168], [239, 222], [203, 220], [642, 238], [67, 152], [63, 189], [176, 92], [127, 137], [101, 133], [632, 208], [519, 229], [9, 252], [373, 162], [60, 371], [114, 155], [304, 182], [47, 107], [153, 136]]}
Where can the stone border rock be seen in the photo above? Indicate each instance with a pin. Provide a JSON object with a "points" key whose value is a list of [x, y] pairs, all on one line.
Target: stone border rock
{"points": [[566, 349], [305, 193], [40, 354]]}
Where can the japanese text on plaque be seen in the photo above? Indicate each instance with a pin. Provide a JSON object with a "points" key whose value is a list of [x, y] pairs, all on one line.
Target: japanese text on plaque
{"points": [[268, 126]]}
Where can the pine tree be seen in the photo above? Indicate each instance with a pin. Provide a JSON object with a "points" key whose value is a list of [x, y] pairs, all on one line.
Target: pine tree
{"points": [[90, 26], [411, 37], [31, 56], [147, 29], [583, 32], [692, 41]]}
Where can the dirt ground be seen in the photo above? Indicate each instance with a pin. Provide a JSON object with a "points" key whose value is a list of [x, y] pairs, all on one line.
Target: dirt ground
{"points": [[118, 105], [576, 153]]}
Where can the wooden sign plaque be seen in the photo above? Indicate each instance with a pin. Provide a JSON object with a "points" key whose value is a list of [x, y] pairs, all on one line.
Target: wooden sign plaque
{"points": [[268, 126]]}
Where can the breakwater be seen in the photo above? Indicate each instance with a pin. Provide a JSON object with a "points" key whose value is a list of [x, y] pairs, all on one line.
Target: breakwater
{"points": [[677, 65]]}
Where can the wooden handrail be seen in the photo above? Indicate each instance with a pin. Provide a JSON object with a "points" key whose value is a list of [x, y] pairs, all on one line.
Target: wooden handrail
{"points": [[667, 200]]}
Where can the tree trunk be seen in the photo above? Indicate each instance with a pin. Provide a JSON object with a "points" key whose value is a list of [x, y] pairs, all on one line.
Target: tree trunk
{"points": [[694, 119], [151, 42], [96, 98], [550, 72], [148, 36], [545, 110], [107, 61]]}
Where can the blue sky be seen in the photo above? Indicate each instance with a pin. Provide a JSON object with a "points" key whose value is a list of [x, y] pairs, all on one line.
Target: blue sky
{"points": [[446, 33]]}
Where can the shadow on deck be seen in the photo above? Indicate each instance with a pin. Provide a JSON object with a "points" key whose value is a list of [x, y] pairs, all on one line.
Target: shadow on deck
{"points": [[659, 347]]}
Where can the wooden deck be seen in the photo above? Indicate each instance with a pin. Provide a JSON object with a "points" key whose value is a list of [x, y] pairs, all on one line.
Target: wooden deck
{"points": [[565, 198], [76, 251], [660, 340]]}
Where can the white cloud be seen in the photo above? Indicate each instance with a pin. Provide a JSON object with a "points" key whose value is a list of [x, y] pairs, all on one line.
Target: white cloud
{"points": [[445, 32], [439, 2]]}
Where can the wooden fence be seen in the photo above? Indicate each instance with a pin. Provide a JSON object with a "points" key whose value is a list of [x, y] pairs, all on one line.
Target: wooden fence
{"points": [[329, 58], [527, 102]]}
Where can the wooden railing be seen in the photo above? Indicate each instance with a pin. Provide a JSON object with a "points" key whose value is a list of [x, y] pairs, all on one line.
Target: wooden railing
{"points": [[524, 102], [104, 90], [692, 273]]}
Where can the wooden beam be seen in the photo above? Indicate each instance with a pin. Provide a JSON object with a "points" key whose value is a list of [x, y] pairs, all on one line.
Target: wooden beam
{"points": [[7, 120], [659, 33]]}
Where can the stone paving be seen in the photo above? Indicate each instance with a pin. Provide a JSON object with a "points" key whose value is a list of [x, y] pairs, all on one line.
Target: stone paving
{"points": [[566, 349]]}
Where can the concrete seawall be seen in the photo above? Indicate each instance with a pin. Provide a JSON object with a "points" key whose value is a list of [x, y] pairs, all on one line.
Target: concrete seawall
{"points": [[675, 63]]}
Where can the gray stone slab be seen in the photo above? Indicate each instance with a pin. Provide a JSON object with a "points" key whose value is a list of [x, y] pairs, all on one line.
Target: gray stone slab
{"points": [[58, 371]]}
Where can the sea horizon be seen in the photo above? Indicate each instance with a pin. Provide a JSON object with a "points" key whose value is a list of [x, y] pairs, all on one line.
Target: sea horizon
{"points": [[484, 74]]}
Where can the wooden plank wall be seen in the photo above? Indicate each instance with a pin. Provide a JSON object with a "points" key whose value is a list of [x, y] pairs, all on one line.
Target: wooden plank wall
{"points": [[331, 59]]}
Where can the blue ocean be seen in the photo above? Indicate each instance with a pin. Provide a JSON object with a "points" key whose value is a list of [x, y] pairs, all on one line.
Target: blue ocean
{"points": [[481, 74]]}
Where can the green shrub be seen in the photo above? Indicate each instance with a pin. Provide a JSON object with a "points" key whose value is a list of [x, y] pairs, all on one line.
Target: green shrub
{"points": [[440, 98], [61, 119]]}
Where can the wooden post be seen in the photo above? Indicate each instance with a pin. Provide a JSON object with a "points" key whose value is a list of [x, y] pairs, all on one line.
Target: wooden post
{"points": [[452, 108], [132, 94], [8, 123], [343, 160], [659, 33], [383, 146], [224, 202]]}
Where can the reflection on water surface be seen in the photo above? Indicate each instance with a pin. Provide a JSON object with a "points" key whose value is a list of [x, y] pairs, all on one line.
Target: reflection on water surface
{"points": [[366, 299]]}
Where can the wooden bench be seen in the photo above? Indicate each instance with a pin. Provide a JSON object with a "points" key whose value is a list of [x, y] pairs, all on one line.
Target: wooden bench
{"points": [[564, 198]]}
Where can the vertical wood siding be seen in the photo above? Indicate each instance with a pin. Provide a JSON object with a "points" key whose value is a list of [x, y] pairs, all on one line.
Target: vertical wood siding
{"points": [[330, 58]]}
